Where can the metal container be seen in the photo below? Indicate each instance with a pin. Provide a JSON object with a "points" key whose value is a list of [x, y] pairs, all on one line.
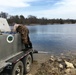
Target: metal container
{"points": [[10, 44]]}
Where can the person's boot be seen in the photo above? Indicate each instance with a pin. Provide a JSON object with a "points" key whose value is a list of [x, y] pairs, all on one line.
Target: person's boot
{"points": [[26, 47], [30, 45]]}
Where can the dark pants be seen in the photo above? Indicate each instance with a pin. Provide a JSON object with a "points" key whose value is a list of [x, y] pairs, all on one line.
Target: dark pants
{"points": [[29, 45]]}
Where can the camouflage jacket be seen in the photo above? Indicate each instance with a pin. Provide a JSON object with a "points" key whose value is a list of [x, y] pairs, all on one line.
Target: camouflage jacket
{"points": [[23, 30]]}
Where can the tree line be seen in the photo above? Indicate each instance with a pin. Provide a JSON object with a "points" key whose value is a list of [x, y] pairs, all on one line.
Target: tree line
{"points": [[34, 20]]}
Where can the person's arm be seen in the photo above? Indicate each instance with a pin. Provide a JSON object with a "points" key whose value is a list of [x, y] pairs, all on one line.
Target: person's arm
{"points": [[15, 27]]}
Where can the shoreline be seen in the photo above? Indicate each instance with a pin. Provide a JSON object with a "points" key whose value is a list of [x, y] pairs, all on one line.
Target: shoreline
{"points": [[41, 61]]}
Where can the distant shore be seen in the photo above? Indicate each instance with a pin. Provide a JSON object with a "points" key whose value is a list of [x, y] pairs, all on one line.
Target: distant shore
{"points": [[46, 24]]}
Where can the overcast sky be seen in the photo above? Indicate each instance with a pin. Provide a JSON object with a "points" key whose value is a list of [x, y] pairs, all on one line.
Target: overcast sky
{"points": [[40, 8]]}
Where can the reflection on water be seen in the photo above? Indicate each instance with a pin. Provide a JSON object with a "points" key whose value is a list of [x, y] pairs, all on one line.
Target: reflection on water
{"points": [[53, 38], [53, 29]]}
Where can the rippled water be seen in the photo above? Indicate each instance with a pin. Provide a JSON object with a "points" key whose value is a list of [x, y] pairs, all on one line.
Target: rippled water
{"points": [[53, 38]]}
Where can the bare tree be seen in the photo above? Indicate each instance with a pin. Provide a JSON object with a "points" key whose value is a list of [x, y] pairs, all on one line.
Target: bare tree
{"points": [[4, 15]]}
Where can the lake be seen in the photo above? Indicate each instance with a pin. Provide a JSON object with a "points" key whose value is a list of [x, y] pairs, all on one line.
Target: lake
{"points": [[55, 38]]}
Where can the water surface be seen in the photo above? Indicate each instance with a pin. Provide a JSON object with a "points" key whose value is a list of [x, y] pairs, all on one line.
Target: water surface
{"points": [[53, 38]]}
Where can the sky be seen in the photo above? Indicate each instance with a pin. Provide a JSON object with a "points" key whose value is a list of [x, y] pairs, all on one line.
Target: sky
{"points": [[40, 8]]}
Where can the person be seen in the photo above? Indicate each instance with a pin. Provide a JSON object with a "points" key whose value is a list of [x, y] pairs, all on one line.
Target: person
{"points": [[24, 32]]}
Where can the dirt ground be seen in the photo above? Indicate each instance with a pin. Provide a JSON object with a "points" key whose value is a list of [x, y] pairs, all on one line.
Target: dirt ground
{"points": [[38, 59], [47, 64]]}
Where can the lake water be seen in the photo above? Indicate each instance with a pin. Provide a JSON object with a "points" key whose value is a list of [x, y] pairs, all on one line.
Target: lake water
{"points": [[53, 38]]}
